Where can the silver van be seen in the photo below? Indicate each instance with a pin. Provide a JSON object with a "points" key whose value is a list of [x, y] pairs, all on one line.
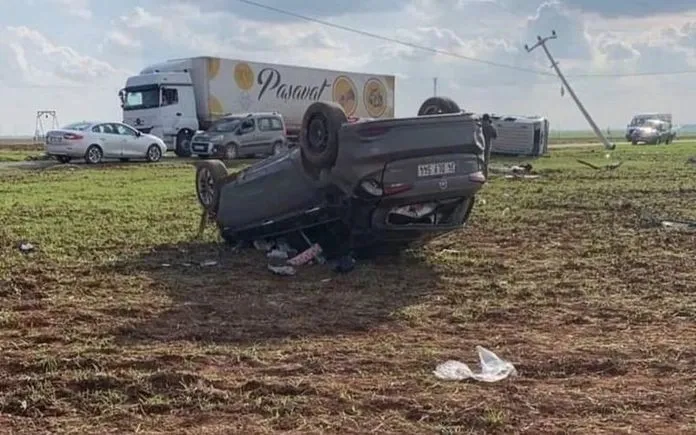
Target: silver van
{"points": [[241, 135]]}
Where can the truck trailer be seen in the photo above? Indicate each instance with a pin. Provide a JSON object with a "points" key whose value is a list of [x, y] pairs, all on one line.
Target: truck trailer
{"points": [[174, 99]]}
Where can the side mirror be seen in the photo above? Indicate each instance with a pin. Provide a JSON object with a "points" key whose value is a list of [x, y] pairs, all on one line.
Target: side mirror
{"points": [[138, 133]]}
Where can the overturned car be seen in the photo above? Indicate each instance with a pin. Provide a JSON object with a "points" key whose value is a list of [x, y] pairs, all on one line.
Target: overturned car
{"points": [[358, 185]]}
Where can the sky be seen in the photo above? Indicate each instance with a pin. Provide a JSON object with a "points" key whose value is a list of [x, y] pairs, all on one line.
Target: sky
{"points": [[73, 56]]}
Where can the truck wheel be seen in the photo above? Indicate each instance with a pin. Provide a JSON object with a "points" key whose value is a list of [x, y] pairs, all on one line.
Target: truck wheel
{"points": [[319, 136], [183, 143], [437, 105], [209, 174]]}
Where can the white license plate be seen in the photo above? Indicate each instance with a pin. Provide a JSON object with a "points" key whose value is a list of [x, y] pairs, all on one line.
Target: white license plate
{"points": [[54, 139], [434, 169]]}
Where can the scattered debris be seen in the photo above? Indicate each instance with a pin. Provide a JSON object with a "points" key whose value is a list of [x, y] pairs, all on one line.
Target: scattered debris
{"points": [[306, 256], [649, 220], [684, 226], [26, 247], [263, 245], [522, 176], [609, 167], [282, 270], [493, 369], [278, 263], [209, 263]]}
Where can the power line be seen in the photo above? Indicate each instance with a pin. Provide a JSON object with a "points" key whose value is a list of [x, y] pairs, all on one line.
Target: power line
{"points": [[451, 54]]}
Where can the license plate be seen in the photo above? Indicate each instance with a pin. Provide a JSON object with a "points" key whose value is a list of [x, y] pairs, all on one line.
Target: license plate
{"points": [[54, 139], [433, 169]]}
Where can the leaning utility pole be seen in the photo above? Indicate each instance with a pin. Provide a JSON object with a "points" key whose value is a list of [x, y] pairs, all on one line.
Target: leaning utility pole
{"points": [[542, 42]]}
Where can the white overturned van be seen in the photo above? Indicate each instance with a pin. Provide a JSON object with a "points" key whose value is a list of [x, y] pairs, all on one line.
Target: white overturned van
{"points": [[520, 135]]}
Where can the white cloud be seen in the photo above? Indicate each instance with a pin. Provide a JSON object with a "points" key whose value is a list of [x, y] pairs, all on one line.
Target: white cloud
{"points": [[78, 8], [39, 74]]}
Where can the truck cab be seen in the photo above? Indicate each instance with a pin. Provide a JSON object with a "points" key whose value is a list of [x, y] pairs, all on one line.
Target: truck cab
{"points": [[162, 104]]}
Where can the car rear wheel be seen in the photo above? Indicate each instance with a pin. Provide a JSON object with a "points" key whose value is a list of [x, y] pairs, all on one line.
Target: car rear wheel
{"points": [[154, 154], [319, 136], [94, 155], [209, 175], [63, 159], [438, 105]]}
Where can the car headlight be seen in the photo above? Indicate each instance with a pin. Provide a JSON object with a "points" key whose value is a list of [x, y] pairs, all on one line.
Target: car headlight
{"points": [[217, 138]]}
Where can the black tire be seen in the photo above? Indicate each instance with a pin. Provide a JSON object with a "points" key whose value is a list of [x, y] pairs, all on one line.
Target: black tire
{"points": [[154, 153], [94, 155], [319, 135], [438, 105], [209, 174], [183, 143], [63, 159]]}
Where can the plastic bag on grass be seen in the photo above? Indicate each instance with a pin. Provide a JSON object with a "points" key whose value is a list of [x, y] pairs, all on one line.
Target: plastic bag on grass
{"points": [[493, 369]]}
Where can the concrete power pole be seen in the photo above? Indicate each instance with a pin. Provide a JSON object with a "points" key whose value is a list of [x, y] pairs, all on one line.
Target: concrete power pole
{"points": [[434, 86], [542, 43]]}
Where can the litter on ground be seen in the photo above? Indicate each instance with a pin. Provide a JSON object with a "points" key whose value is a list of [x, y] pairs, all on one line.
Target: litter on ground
{"points": [[493, 369]]}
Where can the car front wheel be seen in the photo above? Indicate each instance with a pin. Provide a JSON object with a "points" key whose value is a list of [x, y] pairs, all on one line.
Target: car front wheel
{"points": [[154, 154]]}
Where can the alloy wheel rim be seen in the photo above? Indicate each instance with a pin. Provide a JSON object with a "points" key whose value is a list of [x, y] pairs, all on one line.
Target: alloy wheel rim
{"points": [[206, 187]]}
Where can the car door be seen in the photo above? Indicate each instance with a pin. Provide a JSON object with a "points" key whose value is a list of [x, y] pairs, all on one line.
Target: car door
{"points": [[131, 145], [248, 136], [265, 135], [101, 136], [109, 140]]}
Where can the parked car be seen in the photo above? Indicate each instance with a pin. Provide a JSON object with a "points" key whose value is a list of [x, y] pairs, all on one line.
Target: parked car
{"points": [[386, 182], [653, 131], [95, 141], [241, 135]]}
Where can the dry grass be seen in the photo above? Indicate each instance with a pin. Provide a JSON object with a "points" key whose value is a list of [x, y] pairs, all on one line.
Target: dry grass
{"points": [[557, 275]]}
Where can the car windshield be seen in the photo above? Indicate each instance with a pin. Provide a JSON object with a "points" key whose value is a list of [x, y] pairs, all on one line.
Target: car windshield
{"points": [[77, 126], [142, 97], [651, 123], [225, 126], [638, 121]]}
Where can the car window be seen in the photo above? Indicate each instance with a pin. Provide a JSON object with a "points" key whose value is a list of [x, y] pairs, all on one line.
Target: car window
{"points": [[264, 124], [97, 129], [77, 126], [248, 125], [123, 130], [225, 126], [276, 124]]}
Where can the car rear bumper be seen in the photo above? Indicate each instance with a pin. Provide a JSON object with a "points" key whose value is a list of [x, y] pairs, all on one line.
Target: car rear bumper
{"points": [[65, 150]]}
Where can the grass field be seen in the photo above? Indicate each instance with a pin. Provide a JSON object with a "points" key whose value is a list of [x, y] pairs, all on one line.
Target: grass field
{"points": [[111, 325], [555, 138]]}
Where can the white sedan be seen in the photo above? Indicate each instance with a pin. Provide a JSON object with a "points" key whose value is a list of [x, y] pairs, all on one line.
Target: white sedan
{"points": [[95, 141]]}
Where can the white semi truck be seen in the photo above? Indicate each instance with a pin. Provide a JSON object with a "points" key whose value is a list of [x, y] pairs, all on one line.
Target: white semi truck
{"points": [[176, 98]]}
